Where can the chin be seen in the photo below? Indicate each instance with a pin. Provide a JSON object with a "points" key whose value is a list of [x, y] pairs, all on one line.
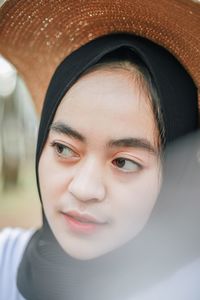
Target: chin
{"points": [[83, 255]]}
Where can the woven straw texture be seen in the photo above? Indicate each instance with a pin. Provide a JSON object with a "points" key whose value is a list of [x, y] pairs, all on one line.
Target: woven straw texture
{"points": [[35, 35]]}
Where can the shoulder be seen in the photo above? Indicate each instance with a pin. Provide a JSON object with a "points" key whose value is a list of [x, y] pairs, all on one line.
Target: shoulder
{"points": [[12, 245]]}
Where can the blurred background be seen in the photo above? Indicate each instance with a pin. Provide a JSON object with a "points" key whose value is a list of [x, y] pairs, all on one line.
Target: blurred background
{"points": [[19, 202]]}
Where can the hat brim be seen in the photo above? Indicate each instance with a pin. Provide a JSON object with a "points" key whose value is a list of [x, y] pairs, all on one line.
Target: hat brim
{"points": [[37, 35]]}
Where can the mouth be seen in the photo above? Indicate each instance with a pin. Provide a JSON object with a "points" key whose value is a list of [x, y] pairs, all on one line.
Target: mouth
{"points": [[82, 223]]}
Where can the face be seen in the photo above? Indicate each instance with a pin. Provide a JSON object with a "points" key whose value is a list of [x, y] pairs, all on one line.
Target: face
{"points": [[99, 171]]}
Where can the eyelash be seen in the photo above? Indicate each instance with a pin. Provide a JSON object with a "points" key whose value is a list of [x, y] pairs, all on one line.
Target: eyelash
{"points": [[121, 160], [136, 165], [57, 145]]}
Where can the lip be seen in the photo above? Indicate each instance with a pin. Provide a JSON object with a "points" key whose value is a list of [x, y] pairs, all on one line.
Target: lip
{"points": [[82, 223]]}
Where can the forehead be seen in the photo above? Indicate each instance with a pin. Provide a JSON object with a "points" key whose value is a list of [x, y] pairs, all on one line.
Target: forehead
{"points": [[104, 100]]}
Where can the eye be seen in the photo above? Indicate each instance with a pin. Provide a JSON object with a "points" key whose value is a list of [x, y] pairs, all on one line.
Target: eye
{"points": [[63, 150], [126, 164]]}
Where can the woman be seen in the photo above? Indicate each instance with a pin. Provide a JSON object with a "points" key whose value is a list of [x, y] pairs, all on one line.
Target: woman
{"points": [[110, 109]]}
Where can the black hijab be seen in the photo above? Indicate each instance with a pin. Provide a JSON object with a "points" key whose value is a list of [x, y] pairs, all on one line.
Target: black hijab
{"points": [[46, 271]]}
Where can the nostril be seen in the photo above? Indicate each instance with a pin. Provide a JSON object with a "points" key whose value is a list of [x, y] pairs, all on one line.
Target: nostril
{"points": [[85, 193]]}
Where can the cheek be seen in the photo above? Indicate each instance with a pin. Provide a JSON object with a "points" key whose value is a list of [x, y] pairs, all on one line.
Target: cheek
{"points": [[53, 179], [135, 200]]}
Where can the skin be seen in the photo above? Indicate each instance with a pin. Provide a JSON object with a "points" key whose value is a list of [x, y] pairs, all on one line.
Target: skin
{"points": [[101, 159]]}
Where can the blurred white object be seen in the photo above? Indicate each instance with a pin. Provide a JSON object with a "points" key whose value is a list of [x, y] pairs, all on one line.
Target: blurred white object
{"points": [[2, 2], [8, 77]]}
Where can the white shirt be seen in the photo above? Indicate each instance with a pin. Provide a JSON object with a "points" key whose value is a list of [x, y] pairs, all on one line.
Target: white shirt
{"points": [[12, 245]]}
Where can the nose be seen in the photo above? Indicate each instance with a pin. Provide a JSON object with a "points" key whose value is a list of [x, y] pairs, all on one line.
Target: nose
{"points": [[87, 183]]}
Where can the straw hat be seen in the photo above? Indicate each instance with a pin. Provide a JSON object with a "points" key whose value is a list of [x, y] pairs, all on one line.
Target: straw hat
{"points": [[35, 35]]}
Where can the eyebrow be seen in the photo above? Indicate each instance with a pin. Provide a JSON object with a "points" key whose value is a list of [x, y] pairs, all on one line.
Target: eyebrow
{"points": [[140, 143], [63, 128]]}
